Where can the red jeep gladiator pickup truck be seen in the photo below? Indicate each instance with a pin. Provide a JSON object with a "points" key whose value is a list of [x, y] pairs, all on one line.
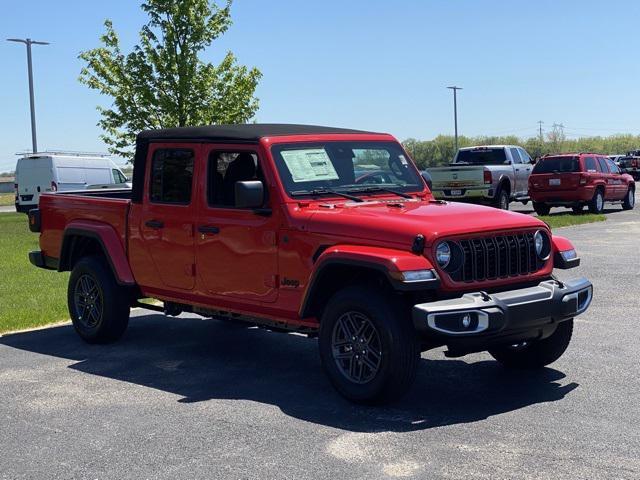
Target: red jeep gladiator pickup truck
{"points": [[274, 225]]}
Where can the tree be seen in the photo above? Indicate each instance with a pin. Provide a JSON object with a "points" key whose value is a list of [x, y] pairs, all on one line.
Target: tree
{"points": [[162, 82]]}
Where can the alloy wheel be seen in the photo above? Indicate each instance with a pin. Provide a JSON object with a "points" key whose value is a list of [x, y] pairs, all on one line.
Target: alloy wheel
{"points": [[88, 301], [356, 347]]}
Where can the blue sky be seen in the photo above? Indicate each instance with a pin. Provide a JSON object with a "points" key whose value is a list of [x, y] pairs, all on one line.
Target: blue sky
{"points": [[367, 64]]}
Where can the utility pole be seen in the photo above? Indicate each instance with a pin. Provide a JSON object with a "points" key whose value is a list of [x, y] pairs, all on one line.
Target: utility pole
{"points": [[455, 112], [28, 42], [540, 122]]}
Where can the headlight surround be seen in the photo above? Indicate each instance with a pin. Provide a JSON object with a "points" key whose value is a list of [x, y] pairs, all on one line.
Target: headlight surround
{"points": [[542, 244], [443, 254]]}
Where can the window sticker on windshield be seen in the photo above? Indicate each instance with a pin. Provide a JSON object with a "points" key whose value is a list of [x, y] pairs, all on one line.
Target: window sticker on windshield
{"points": [[309, 165], [403, 160]]}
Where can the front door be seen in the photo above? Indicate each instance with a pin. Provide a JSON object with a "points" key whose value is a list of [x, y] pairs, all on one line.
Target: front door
{"points": [[166, 223], [236, 249]]}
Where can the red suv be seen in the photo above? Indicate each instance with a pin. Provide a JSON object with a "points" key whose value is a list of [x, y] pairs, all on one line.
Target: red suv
{"points": [[574, 180]]}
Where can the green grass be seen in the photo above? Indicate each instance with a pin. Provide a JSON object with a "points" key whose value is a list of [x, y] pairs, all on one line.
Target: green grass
{"points": [[570, 219], [7, 199], [29, 296]]}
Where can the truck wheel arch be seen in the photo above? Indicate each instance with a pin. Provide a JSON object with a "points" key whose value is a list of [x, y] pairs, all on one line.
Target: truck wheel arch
{"points": [[82, 240], [340, 266]]}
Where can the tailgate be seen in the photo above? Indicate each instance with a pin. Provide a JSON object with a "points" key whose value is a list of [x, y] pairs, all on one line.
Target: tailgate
{"points": [[549, 182], [464, 176]]}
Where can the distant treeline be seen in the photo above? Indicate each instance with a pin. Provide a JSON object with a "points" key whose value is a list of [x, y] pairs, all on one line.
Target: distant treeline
{"points": [[440, 150]]}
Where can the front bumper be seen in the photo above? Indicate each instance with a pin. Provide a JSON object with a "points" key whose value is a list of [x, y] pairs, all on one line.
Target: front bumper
{"points": [[513, 313]]}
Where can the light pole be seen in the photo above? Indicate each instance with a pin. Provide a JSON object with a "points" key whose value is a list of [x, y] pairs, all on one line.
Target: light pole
{"points": [[455, 111], [28, 42]]}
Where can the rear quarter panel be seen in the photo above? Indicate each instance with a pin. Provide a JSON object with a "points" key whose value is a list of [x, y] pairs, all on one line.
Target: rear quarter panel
{"points": [[58, 211]]}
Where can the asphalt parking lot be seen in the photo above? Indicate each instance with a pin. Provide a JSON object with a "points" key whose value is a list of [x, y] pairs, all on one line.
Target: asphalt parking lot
{"points": [[192, 398]]}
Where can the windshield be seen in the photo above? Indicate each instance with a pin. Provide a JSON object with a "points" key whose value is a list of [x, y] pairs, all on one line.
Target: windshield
{"points": [[557, 165], [482, 156], [346, 167]]}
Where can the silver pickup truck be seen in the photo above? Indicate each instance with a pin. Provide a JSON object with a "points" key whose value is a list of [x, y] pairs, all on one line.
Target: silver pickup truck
{"points": [[494, 174]]}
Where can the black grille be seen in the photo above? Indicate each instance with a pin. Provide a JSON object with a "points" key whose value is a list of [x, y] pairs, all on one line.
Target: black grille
{"points": [[494, 257]]}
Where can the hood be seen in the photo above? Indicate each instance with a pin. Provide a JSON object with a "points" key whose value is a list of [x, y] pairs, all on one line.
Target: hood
{"points": [[400, 221]]}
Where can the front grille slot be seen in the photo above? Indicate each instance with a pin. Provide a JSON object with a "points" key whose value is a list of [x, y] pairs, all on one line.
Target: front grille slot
{"points": [[501, 256]]}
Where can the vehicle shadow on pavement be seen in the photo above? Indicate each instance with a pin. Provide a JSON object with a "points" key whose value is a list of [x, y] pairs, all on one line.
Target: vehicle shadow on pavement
{"points": [[202, 360]]}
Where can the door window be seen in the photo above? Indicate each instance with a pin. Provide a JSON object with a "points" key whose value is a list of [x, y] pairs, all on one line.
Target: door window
{"points": [[224, 169], [524, 156], [515, 155], [118, 177], [590, 164], [172, 176], [603, 165], [612, 166]]}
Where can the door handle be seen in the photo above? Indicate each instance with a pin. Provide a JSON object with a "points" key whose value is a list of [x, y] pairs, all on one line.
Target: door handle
{"points": [[154, 224], [208, 229]]}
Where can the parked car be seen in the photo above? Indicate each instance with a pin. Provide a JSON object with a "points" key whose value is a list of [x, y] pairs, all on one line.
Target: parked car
{"points": [[267, 224], [49, 172], [576, 180], [616, 158], [494, 174], [630, 165]]}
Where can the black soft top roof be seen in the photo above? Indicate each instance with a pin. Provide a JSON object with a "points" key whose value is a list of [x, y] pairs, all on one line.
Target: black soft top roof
{"points": [[241, 132]]}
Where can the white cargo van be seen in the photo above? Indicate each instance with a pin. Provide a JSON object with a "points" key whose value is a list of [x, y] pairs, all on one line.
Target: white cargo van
{"points": [[49, 172]]}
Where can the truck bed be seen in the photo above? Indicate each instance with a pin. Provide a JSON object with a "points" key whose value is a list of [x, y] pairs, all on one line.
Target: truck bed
{"points": [[61, 210]]}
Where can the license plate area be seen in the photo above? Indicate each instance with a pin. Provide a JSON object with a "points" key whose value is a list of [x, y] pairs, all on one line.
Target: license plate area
{"points": [[554, 182], [455, 193]]}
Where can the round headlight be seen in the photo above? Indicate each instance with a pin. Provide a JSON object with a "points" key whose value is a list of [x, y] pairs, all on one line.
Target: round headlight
{"points": [[443, 254], [542, 245]]}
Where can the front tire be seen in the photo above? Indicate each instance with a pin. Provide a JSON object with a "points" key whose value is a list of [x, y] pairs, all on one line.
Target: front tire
{"points": [[629, 200], [538, 353], [368, 347], [98, 306]]}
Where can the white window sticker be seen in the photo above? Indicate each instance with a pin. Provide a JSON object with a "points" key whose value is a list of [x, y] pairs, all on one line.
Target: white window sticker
{"points": [[309, 165]]}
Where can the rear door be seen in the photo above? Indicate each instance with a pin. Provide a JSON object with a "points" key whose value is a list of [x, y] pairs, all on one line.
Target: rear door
{"points": [[525, 170], [166, 223], [519, 174], [33, 176]]}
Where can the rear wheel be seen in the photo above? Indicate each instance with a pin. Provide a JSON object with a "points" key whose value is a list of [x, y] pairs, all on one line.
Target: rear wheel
{"points": [[541, 208], [596, 205], [629, 200], [98, 306], [501, 200], [537, 353], [368, 347]]}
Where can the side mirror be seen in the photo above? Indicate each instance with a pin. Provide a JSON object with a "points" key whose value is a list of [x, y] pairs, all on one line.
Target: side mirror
{"points": [[249, 194]]}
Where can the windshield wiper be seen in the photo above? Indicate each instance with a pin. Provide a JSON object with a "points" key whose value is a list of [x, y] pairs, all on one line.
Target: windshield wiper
{"points": [[381, 189], [324, 191]]}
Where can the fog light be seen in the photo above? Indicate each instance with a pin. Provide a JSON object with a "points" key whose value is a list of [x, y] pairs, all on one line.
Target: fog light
{"points": [[466, 320], [569, 255], [418, 275]]}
